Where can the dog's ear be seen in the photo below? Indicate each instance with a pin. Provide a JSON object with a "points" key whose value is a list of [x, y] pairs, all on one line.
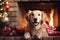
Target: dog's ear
{"points": [[29, 11], [27, 15], [44, 17]]}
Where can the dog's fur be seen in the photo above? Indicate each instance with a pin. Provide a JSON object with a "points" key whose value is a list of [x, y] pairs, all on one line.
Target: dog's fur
{"points": [[36, 24]]}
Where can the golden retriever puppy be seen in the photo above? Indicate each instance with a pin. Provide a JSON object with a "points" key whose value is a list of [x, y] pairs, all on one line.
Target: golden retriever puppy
{"points": [[36, 24]]}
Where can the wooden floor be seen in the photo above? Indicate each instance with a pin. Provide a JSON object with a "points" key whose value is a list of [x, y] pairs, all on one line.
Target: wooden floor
{"points": [[21, 38]]}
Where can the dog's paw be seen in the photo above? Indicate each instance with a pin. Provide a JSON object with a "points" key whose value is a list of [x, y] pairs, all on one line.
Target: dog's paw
{"points": [[39, 35], [27, 35]]}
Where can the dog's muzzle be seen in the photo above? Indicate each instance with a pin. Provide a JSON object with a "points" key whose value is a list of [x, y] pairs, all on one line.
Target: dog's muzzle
{"points": [[35, 22]]}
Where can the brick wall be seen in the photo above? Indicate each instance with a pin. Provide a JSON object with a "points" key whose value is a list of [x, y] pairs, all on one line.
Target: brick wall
{"points": [[13, 12]]}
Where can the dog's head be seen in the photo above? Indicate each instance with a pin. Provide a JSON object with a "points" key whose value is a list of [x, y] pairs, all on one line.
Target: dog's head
{"points": [[35, 17]]}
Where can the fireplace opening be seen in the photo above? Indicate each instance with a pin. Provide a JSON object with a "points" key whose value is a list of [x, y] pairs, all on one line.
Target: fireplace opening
{"points": [[50, 8]]}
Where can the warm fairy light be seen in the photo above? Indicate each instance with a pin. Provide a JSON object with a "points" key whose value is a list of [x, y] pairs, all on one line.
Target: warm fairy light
{"points": [[5, 14], [5, 19], [7, 2], [0, 15], [0, 0], [51, 18], [1, 9]]}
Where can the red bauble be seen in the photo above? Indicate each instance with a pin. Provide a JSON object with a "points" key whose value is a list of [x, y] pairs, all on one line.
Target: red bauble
{"points": [[5, 28], [6, 7]]}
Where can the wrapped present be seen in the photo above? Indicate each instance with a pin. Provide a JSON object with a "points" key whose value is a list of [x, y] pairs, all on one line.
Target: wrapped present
{"points": [[51, 31]]}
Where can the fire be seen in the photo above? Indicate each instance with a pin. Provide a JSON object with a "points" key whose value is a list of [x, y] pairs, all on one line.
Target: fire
{"points": [[51, 18]]}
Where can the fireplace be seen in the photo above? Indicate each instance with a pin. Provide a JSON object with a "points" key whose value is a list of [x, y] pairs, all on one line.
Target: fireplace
{"points": [[50, 8]]}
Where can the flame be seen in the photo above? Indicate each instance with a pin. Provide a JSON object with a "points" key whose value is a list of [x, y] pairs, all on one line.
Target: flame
{"points": [[51, 18]]}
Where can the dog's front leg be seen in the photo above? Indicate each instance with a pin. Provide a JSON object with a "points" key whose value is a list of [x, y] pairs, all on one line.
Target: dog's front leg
{"points": [[27, 35]]}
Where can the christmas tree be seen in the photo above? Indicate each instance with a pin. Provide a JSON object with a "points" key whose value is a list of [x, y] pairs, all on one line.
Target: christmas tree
{"points": [[4, 6]]}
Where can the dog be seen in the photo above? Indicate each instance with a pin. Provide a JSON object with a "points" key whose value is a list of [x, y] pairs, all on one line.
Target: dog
{"points": [[36, 26]]}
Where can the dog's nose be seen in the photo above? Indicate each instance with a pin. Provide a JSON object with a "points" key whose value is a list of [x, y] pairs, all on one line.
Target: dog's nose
{"points": [[35, 19]]}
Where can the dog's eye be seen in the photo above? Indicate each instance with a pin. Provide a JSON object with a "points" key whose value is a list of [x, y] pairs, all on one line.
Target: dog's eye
{"points": [[38, 14], [32, 14]]}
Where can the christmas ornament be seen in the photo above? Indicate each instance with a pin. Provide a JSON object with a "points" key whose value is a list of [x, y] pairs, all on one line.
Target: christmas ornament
{"points": [[7, 6], [0, 15], [5, 28], [5, 14], [5, 19]]}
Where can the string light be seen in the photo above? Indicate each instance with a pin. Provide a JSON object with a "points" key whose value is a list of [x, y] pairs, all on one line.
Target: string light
{"points": [[7, 2], [0, 0], [5, 14], [0, 15], [1, 9]]}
